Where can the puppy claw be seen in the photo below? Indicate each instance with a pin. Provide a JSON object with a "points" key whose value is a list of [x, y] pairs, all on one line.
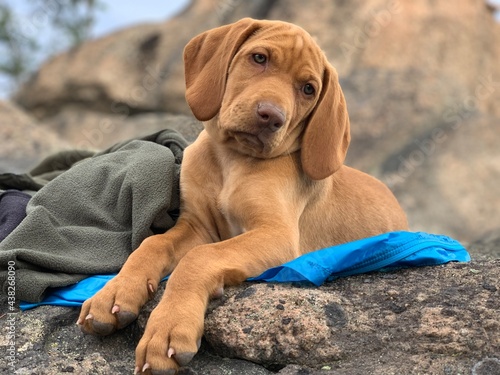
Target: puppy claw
{"points": [[147, 366], [171, 352], [89, 317], [151, 291], [218, 293], [115, 309], [151, 288]]}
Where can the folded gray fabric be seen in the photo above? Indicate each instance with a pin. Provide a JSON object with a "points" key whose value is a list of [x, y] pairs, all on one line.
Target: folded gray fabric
{"points": [[90, 218]]}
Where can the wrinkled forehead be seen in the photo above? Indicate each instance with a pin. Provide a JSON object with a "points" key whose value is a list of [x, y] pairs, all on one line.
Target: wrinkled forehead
{"points": [[287, 44]]}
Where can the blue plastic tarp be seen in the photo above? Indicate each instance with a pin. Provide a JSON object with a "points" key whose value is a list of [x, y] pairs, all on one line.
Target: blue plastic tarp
{"points": [[384, 252]]}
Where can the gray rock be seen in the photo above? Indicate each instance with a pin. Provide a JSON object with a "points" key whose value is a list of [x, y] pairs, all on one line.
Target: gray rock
{"points": [[424, 319], [23, 141], [487, 247], [93, 130], [439, 320], [26, 141]]}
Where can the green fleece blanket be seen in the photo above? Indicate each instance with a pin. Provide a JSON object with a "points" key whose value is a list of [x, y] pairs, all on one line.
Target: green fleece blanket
{"points": [[89, 218]]}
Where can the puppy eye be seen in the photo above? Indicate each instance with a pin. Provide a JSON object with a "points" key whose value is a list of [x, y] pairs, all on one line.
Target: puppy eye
{"points": [[259, 58], [308, 89]]}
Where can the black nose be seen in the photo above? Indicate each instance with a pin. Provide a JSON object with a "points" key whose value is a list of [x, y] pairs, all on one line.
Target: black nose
{"points": [[269, 115]]}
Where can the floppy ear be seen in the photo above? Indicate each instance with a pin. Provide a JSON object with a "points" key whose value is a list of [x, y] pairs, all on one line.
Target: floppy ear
{"points": [[327, 134], [206, 62]]}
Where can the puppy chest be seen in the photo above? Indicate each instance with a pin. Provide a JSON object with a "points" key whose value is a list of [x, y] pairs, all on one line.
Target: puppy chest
{"points": [[230, 206]]}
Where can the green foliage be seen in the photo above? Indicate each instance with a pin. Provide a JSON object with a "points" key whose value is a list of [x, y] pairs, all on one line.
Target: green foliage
{"points": [[20, 39], [15, 59], [74, 18]]}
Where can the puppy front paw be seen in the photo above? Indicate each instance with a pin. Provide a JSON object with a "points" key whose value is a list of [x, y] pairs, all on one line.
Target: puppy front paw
{"points": [[171, 339], [115, 306]]}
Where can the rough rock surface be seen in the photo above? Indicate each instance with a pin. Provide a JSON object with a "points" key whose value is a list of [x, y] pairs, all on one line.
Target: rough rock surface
{"points": [[449, 182], [23, 141], [97, 130], [432, 320], [443, 319]]}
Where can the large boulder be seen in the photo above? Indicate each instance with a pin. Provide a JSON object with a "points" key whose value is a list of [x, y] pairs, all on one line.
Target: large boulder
{"points": [[433, 320], [97, 130], [399, 61], [24, 140], [447, 179], [138, 69]]}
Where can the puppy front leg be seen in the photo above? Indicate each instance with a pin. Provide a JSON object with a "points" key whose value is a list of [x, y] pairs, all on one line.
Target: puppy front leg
{"points": [[118, 303], [175, 327]]}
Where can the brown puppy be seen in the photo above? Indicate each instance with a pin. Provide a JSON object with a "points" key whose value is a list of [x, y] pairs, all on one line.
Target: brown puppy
{"points": [[262, 184]]}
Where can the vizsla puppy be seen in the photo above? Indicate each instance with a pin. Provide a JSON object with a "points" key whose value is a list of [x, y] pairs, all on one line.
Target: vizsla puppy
{"points": [[263, 183]]}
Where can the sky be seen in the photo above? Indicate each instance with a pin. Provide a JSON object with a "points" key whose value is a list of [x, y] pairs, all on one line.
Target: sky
{"points": [[122, 13]]}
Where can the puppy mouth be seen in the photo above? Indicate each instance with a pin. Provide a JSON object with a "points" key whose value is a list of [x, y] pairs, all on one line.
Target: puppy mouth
{"points": [[253, 141]]}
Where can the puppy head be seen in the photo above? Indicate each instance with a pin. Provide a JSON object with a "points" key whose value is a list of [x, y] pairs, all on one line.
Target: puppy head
{"points": [[265, 89]]}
